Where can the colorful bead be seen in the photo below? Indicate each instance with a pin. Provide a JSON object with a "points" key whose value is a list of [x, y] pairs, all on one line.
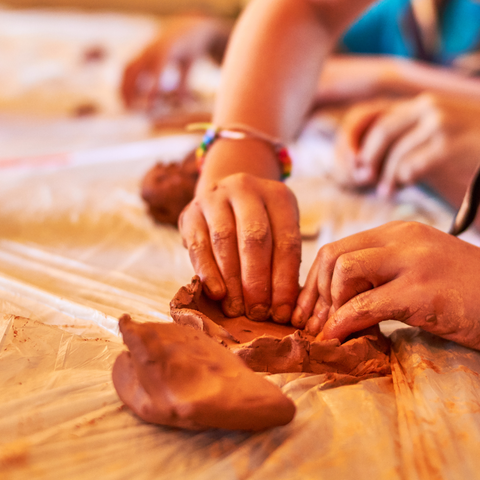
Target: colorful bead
{"points": [[213, 133]]}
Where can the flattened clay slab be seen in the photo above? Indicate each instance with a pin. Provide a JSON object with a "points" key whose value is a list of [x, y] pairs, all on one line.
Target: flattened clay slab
{"points": [[180, 377], [269, 347]]}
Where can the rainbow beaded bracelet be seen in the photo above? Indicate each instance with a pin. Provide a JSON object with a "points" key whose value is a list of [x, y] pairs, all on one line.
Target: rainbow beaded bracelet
{"points": [[239, 132]]}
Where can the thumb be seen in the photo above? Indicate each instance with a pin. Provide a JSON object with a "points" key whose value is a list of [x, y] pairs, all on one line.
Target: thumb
{"points": [[365, 310]]}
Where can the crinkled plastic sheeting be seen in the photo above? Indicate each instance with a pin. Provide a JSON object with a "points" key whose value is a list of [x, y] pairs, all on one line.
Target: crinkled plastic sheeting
{"points": [[61, 417], [73, 258]]}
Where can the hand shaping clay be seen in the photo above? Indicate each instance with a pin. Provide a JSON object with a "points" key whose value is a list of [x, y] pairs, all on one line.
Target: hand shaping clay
{"points": [[274, 348], [168, 188], [178, 376]]}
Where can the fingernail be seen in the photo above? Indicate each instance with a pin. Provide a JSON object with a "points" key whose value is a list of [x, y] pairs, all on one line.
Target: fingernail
{"points": [[258, 312], [313, 326], [299, 318], [282, 314], [214, 288], [383, 192], [309, 330], [234, 307], [362, 174]]}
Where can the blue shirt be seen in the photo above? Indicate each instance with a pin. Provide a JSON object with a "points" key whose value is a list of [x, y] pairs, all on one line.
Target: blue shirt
{"points": [[381, 31]]}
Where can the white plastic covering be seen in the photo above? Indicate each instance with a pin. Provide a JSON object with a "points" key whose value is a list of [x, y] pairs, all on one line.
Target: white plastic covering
{"points": [[77, 250]]}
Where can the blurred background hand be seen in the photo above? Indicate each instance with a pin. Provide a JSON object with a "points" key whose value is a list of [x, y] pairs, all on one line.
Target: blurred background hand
{"points": [[390, 143], [161, 70]]}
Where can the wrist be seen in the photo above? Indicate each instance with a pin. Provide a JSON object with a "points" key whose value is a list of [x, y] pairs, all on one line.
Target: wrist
{"points": [[228, 157]]}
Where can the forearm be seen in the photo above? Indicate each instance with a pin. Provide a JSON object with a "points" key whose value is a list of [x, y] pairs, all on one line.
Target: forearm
{"points": [[413, 77], [385, 75], [271, 69], [271, 65], [373, 76]]}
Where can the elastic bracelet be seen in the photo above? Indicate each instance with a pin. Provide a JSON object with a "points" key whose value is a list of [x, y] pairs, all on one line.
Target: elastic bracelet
{"points": [[239, 132]]}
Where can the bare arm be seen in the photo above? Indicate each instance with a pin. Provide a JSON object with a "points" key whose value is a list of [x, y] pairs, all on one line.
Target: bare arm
{"points": [[241, 229], [431, 138], [418, 77], [380, 75]]}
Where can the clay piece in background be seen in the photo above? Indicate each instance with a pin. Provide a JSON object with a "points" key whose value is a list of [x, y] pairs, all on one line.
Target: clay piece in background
{"points": [[85, 110], [168, 188], [179, 377], [274, 348], [94, 54]]}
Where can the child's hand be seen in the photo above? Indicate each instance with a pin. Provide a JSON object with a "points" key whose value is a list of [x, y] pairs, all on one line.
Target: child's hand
{"points": [[402, 271], [242, 233], [182, 42], [391, 143]]}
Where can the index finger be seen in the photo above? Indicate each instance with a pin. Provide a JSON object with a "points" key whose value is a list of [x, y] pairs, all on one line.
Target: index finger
{"points": [[223, 238], [358, 120], [353, 130], [196, 238], [318, 287], [287, 251], [410, 145], [385, 133], [368, 309]]}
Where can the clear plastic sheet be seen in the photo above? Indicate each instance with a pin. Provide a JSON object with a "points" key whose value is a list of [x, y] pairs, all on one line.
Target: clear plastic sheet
{"points": [[59, 415], [50, 59], [77, 250], [437, 387]]}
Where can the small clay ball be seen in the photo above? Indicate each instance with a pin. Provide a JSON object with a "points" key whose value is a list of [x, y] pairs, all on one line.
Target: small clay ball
{"points": [[94, 53], [85, 110], [168, 188]]}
